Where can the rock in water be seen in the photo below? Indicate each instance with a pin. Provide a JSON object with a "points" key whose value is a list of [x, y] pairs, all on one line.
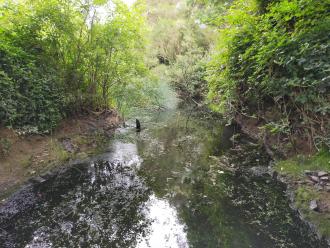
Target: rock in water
{"points": [[322, 173], [313, 205], [275, 175], [308, 173], [37, 180], [314, 179], [138, 125], [68, 145], [324, 178]]}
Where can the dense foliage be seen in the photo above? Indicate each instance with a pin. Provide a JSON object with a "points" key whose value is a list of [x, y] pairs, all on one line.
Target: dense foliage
{"points": [[59, 57], [181, 44], [271, 60], [272, 64]]}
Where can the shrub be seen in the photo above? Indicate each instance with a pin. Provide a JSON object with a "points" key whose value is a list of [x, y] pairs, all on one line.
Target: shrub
{"points": [[275, 61]]}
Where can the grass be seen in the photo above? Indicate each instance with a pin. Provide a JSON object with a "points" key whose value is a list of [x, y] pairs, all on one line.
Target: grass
{"points": [[5, 146], [58, 151], [27, 162], [296, 167], [304, 195]]}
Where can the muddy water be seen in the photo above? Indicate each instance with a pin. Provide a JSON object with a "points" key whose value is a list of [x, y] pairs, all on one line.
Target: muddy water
{"points": [[162, 187]]}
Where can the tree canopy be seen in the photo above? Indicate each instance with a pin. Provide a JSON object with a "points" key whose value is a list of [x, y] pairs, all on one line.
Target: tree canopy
{"points": [[269, 60], [59, 57]]}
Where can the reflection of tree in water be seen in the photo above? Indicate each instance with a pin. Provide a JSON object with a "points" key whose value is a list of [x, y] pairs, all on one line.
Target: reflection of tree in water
{"points": [[219, 209], [263, 204], [211, 219], [234, 210], [181, 171], [102, 205]]}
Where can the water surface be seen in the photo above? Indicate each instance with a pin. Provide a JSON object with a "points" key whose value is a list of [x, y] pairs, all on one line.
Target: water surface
{"points": [[162, 187]]}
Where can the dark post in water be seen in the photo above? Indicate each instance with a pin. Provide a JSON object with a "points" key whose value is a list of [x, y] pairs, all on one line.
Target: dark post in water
{"points": [[138, 125]]}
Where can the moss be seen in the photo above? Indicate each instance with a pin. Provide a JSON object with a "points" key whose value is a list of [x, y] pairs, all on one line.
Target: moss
{"points": [[82, 155], [304, 195], [296, 166]]}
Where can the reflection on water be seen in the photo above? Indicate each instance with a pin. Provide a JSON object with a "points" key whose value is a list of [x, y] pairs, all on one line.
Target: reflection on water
{"points": [[101, 205], [159, 188], [96, 204], [166, 231], [125, 153]]}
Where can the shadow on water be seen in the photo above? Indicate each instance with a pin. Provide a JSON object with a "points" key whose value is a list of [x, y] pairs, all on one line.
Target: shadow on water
{"points": [[163, 187]]}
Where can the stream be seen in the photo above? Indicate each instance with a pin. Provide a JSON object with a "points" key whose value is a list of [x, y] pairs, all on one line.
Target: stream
{"points": [[164, 187]]}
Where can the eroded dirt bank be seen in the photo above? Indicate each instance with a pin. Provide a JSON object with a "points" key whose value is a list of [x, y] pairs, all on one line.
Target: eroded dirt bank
{"points": [[176, 159], [24, 156]]}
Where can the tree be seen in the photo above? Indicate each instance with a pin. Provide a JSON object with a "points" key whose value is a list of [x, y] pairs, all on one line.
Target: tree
{"points": [[59, 57]]}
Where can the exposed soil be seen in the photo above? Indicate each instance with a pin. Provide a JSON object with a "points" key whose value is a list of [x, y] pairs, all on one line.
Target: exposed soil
{"points": [[24, 156], [277, 145]]}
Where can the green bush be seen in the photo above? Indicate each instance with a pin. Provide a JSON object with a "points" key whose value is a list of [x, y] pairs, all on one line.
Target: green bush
{"points": [[28, 97], [187, 75], [278, 61], [59, 57]]}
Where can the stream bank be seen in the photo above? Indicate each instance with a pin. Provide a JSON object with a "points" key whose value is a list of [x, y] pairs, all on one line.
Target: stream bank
{"points": [[306, 174], [163, 187], [25, 155]]}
